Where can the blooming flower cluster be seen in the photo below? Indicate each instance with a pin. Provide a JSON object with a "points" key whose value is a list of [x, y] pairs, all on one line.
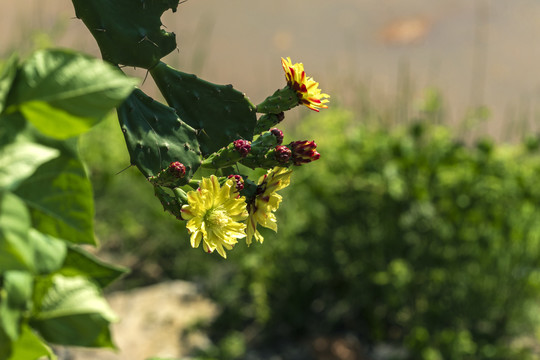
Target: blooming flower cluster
{"points": [[215, 213], [221, 210]]}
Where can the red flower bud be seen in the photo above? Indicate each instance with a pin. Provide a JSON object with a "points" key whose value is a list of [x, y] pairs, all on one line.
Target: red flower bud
{"points": [[242, 146], [283, 153], [304, 152], [278, 134], [239, 181], [177, 169]]}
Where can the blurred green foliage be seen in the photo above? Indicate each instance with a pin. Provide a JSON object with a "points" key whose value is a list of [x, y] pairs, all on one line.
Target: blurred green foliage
{"points": [[402, 236], [50, 286]]}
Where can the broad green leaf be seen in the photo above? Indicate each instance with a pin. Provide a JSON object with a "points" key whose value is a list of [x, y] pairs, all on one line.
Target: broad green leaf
{"points": [[48, 252], [20, 159], [30, 347], [15, 301], [11, 126], [72, 311], [7, 75], [59, 195], [81, 86], [15, 253], [61, 295], [5, 345], [79, 262], [55, 122]]}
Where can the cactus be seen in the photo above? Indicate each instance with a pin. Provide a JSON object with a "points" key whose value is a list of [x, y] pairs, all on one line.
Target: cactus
{"points": [[128, 32], [266, 121], [220, 113], [282, 100], [155, 136], [205, 126]]}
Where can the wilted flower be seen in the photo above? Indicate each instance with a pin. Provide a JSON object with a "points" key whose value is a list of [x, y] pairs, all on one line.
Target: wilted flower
{"points": [[261, 208], [214, 215], [306, 88]]}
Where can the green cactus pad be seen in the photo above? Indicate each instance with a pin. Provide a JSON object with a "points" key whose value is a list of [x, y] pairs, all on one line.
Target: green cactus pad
{"points": [[128, 32], [155, 136], [220, 113]]}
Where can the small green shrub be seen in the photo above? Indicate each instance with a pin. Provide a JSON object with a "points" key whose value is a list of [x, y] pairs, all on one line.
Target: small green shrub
{"points": [[404, 236]]}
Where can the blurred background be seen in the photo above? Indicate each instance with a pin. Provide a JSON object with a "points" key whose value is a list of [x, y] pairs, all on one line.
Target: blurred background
{"points": [[417, 233]]}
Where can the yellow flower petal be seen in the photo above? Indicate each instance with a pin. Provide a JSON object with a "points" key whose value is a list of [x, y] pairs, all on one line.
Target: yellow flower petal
{"points": [[306, 88], [215, 213], [262, 207]]}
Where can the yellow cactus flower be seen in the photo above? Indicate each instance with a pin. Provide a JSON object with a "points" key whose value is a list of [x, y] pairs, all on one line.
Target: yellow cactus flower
{"points": [[215, 214], [261, 208], [306, 88]]}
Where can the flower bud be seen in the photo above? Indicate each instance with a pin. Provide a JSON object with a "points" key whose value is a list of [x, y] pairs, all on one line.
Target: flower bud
{"points": [[278, 134], [282, 154], [177, 169], [170, 176], [239, 181], [243, 147], [304, 152]]}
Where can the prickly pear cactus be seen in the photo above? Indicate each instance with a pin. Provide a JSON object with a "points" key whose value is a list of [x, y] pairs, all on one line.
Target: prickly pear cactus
{"points": [[128, 32], [220, 113], [155, 136], [204, 125]]}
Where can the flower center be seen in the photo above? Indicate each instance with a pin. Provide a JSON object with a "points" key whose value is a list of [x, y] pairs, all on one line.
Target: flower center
{"points": [[216, 216]]}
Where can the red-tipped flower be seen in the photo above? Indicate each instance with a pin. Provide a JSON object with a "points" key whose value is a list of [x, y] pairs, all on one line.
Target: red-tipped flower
{"points": [[283, 153], [304, 152], [243, 147], [239, 181], [306, 88], [278, 134], [177, 169]]}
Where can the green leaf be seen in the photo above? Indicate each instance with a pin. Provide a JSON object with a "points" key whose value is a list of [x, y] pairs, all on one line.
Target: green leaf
{"points": [[48, 252], [15, 254], [81, 263], [22, 247], [15, 301], [11, 126], [72, 311], [30, 347], [20, 159], [134, 40], [5, 345], [65, 125], [7, 75], [59, 195], [78, 89]]}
